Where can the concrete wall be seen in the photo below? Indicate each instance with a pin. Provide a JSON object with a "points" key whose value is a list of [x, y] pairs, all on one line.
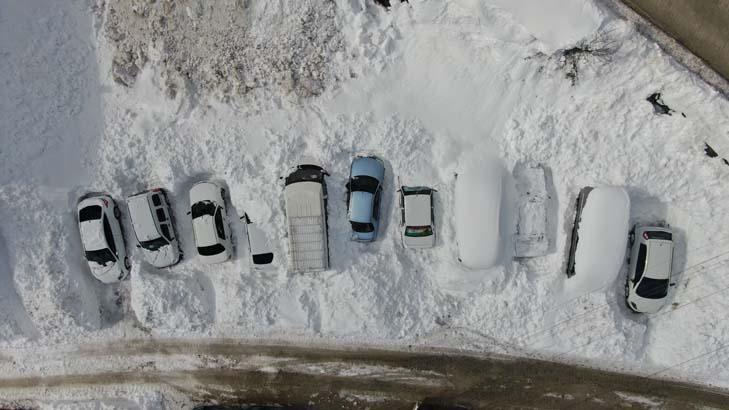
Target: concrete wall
{"points": [[702, 26]]}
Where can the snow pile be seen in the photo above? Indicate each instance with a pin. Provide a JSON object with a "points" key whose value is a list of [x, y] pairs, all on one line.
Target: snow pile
{"points": [[229, 48], [177, 303]]}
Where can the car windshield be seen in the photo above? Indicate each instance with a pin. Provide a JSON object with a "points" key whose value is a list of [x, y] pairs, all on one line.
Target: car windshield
{"points": [[89, 213], [652, 288], [364, 183], [263, 258], [154, 244], [100, 256], [210, 250], [203, 208], [417, 231], [362, 227]]}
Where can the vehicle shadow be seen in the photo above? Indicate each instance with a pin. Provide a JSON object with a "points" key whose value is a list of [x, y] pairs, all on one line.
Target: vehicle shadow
{"points": [[11, 305]]}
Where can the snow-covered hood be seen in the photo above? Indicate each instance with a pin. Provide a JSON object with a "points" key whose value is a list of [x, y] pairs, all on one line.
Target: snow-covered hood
{"points": [[419, 241], [645, 305], [204, 228], [162, 257], [205, 191]]}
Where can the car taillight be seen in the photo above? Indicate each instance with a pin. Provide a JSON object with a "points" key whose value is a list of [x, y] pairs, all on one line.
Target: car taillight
{"points": [[157, 190], [645, 235], [106, 203]]}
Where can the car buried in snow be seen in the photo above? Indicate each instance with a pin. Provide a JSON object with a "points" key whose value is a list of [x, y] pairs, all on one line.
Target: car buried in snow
{"points": [[364, 192], [477, 214], [102, 237], [210, 225], [650, 266], [152, 225], [417, 222], [305, 194], [597, 246]]}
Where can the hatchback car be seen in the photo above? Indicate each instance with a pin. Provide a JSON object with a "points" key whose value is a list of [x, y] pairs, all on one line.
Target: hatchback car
{"points": [[152, 223], [417, 222], [102, 237], [364, 192], [210, 222], [649, 274]]}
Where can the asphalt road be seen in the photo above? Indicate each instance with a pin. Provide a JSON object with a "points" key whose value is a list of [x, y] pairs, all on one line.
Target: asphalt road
{"points": [[358, 379]]}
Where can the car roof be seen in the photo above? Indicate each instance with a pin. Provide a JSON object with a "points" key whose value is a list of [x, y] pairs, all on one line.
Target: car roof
{"points": [[304, 199], [204, 227], [659, 259], [92, 234], [361, 207], [143, 222], [417, 210]]}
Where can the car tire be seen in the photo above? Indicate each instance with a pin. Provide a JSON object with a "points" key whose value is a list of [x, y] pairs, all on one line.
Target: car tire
{"points": [[127, 263], [117, 212]]}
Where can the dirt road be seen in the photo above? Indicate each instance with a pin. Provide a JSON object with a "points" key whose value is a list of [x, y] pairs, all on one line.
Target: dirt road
{"points": [[318, 378]]}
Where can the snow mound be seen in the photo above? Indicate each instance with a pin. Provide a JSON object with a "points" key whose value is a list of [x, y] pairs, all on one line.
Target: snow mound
{"points": [[167, 303], [49, 272], [228, 49]]}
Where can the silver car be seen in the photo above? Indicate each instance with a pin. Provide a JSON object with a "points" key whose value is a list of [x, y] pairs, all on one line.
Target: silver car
{"points": [[649, 273]]}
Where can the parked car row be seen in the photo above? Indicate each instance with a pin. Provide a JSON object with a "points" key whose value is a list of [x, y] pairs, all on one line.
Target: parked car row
{"points": [[597, 247]]}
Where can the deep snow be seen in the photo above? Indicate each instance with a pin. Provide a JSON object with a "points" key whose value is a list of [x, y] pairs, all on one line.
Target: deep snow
{"points": [[427, 85]]}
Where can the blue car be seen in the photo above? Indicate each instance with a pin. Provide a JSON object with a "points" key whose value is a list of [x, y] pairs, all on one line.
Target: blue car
{"points": [[364, 193]]}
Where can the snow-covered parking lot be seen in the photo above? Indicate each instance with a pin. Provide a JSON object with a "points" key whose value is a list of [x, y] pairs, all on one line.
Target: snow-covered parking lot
{"points": [[427, 86]]}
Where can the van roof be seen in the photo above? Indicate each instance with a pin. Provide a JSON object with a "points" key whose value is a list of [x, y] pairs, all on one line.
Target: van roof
{"points": [[143, 222]]}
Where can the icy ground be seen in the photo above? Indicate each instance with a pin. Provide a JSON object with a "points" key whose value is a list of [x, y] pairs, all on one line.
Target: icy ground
{"points": [[426, 85]]}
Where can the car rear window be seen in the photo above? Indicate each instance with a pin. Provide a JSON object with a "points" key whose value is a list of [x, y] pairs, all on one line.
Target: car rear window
{"points": [[210, 250], [364, 183], [650, 288], [418, 231], [89, 213], [155, 200], [362, 227], [161, 215], [667, 236], [263, 258]]}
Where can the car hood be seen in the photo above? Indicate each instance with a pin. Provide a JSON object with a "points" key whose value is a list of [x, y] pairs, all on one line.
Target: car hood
{"points": [[205, 191], [369, 166], [361, 207], [646, 305], [107, 274], [162, 257]]}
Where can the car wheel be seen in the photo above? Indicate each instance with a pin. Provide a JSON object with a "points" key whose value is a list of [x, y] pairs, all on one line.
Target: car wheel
{"points": [[117, 212], [127, 263]]}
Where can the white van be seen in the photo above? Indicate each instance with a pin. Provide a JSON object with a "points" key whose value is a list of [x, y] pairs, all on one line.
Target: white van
{"points": [[152, 222], [305, 193]]}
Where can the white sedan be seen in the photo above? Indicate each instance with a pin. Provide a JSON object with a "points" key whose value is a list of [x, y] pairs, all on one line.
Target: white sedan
{"points": [[210, 222], [417, 224], [102, 238], [649, 273]]}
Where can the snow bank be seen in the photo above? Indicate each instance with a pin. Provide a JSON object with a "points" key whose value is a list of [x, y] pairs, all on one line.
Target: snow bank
{"points": [[602, 239], [168, 303]]}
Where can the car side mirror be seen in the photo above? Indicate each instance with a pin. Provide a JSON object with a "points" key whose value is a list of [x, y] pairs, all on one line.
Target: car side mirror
{"points": [[188, 212], [139, 246], [673, 284]]}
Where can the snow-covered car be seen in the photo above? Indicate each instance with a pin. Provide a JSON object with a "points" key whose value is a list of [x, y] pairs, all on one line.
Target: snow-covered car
{"points": [[364, 192], [417, 221], [305, 194], [649, 273], [258, 245], [597, 247], [152, 224], [102, 237], [210, 224], [477, 214]]}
